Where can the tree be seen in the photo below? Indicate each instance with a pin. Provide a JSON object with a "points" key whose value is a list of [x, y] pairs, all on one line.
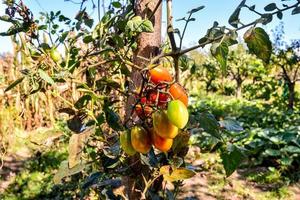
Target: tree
{"points": [[287, 59], [242, 65]]}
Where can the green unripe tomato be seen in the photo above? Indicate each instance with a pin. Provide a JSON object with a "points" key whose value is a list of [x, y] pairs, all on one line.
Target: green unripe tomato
{"points": [[55, 55], [178, 113], [125, 141]]}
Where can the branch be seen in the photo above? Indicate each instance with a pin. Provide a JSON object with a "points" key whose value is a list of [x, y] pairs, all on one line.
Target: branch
{"points": [[170, 28], [203, 44], [155, 9]]}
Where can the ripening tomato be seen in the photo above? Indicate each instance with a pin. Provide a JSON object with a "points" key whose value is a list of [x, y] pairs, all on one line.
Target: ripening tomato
{"points": [[162, 144], [55, 55], [125, 141], [178, 92], [160, 74], [178, 113], [162, 126], [143, 111], [140, 139]]}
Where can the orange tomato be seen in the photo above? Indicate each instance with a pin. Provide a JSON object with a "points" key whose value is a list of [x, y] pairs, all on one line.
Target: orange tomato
{"points": [[140, 139], [160, 74], [162, 144], [178, 92], [162, 126]]}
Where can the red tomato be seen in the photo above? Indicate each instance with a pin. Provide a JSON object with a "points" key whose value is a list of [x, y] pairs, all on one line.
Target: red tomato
{"points": [[179, 93], [162, 98], [160, 74], [143, 111]]}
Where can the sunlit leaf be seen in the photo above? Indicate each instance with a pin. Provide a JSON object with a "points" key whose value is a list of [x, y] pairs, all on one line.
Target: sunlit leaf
{"points": [[220, 52], [259, 43], [76, 145], [46, 77], [65, 171], [178, 174]]}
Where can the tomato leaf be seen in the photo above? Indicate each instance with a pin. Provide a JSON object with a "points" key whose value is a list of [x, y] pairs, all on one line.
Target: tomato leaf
{"points": [[270, 7], [231, 125], [45, 77], [76, 145], [174, 175], [296, 10], [137, 24], [14, 84], [231, 158], [259, 43], [209, 124], [235, 17], [220, 52], [65, 171]]}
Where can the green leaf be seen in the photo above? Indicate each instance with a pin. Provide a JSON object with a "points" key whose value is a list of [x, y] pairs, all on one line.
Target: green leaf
{"points": [[181, 142], [259, 43], [194, 10], [209, 123], [46, 77], [178, 174], [14, 84], [235, 17], [87, 39], [231, 158], [231, 125], [266, 18], [296, 11], [89, 22], [220, 52], [113, 120], [286, 161], [116, 4], [82, 101], [270, 7], [272, 152], [279, 15], [137, 24], [291, 149]]}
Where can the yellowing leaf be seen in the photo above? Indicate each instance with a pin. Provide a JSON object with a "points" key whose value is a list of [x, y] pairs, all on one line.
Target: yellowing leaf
{"points": [[178, 174], [76, 145], [65, 171]]}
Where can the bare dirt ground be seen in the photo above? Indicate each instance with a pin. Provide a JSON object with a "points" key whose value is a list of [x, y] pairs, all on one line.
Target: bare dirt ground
{"points": [[212, 185]]}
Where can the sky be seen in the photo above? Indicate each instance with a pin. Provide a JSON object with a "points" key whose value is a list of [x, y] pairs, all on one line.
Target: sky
{"points": [[215, 10]]}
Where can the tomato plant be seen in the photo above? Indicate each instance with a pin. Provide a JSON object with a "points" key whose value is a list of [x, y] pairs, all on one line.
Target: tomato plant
{"points": [[114, 70]]}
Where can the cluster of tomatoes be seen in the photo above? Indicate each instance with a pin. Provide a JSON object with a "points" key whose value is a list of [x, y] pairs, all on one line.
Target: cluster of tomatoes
{"points": [[162, 106]]}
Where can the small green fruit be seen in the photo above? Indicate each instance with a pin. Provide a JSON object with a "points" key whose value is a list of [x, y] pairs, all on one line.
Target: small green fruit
{"points": [[125, 141], [178, 113], [55, 55]]}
